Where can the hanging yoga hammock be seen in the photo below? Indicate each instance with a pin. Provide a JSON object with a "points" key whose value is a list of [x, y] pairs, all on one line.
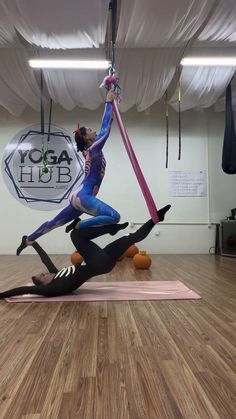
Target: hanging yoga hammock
{"points": [[44, 151], [229, 146]]}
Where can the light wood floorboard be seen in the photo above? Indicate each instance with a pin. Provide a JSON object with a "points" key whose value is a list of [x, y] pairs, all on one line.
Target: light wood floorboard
{"points": [[122, 360]]}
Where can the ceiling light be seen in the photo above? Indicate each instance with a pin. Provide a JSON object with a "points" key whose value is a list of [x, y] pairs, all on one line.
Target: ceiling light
{"points": [[209, 61], [86, 64]]}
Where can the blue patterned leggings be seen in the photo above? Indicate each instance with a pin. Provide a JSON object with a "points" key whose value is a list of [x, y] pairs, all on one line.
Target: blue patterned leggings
{"points": [[102, 213]]}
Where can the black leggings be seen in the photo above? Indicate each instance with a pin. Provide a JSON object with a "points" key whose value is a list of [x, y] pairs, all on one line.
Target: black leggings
{"points": [[98, 261], [91, 251]]}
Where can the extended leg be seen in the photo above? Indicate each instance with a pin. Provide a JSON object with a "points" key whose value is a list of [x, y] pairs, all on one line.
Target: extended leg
{"points": [[118, 247], [96, 259], [64, 216], [94, 232], [89, 251]]}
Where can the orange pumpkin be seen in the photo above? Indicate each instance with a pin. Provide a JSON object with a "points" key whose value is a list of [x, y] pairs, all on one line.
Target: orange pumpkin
{"points": [[76, 258], [131, 251], [142, 260]]}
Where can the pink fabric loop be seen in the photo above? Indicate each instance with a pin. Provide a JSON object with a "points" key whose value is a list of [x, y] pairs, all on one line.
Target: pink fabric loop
{"points": [[108, 81], [142, 182]]}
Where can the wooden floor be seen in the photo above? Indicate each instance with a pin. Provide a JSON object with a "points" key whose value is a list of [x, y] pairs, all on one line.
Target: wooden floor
{"points": [[122, 360]]}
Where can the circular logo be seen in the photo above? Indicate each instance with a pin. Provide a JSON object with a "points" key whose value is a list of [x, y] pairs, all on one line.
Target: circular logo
{"points": [[41, 170]]}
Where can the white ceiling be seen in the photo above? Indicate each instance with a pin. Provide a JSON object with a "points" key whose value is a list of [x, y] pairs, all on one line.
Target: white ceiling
{"points": [[152, 37]]}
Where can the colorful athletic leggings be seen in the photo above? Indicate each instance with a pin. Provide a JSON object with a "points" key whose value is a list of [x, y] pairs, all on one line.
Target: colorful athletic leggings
{"points": [[85, 201], [103, 215]]}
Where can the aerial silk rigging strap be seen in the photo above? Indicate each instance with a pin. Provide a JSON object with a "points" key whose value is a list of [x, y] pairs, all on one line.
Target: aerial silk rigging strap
{"points": [[113, 10], [179, 114], [43, 151], [167, 128], [142, 182], [49, 120], [41, 102], [44, 148]]}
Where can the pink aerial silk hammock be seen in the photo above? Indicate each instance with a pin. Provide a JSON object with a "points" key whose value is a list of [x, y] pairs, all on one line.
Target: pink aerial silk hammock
{"points": [[142, 182]]}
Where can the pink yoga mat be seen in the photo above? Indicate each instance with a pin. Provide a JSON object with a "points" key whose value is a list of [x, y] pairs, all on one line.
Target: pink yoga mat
{"points": [[119, 291]]}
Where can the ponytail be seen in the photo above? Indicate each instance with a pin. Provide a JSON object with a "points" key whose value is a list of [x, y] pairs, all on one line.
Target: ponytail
{"points": [[79, 138]]}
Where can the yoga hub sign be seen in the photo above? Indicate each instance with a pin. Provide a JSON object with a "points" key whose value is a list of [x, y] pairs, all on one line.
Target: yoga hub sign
{"points": [[41, 170]]}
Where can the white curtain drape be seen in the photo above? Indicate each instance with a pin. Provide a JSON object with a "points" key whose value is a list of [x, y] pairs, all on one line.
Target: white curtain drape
{"points": [[158, 23], [18, 85], [221, 28], [71, 88], [151, 38], [59, 24], [8, 36], [144, 75], [201, 86]]}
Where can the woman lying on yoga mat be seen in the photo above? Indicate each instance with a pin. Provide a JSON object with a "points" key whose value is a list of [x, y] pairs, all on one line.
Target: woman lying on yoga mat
{"points": [[97, 261]]}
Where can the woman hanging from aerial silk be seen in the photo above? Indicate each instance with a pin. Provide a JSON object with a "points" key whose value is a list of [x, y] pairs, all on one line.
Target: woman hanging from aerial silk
{"points": [[83, 200]]}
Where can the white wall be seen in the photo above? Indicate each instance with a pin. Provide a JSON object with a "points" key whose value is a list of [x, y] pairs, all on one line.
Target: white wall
{"points": [[202, 137]]}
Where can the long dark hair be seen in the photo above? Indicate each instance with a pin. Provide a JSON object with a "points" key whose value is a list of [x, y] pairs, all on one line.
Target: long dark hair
{"points": [[79, 138]]}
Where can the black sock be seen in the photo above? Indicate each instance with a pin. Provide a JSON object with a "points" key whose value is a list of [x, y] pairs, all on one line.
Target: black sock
{"points": [[161, 213], [72, 225], [94, 232], [116, 227], [119, 246], [22, 246]]}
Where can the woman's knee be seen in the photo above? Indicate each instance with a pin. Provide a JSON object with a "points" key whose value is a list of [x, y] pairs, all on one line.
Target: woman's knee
{"points": [[74, 237], [116, 217]]}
